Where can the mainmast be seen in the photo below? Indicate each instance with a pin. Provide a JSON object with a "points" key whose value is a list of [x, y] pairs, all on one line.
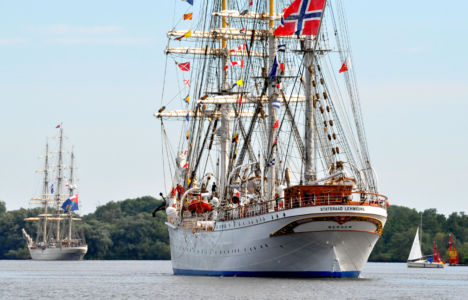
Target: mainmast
{"points": [[309, 174], [59, 181], [310, 47]]}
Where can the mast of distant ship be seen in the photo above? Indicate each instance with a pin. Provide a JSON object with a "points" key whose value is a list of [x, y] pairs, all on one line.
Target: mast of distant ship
{"points": [[59, 181], [71, 189], [45, 192]]}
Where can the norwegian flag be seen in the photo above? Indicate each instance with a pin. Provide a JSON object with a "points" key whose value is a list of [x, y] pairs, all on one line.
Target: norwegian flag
{"points": [[302, 17], [187, 82]]}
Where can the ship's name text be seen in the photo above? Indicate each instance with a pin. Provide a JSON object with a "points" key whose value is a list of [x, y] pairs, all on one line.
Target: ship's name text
{"points": [[342, 208]]}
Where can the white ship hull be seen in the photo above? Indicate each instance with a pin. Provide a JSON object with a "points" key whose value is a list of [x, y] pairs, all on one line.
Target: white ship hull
{"points": [[66, 253], [326, 241], [424, 264]]}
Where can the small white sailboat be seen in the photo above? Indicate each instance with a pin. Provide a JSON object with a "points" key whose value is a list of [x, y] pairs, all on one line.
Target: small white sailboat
{"points": [[417, 260]]}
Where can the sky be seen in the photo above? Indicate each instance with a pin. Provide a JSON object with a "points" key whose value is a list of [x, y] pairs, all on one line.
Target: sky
{"points": [[97, 67]]}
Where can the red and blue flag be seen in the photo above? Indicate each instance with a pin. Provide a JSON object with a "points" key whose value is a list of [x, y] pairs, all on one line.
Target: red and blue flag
{"points": [[302, 17], [70, 204]]}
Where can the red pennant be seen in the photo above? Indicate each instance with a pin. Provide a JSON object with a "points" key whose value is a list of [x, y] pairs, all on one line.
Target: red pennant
{"points": [[276, 124], [282, 66], [344, 68]]}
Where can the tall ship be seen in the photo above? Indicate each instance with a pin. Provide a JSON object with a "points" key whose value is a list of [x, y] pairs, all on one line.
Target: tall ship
{"points": [[267, 171], [56, 237]]}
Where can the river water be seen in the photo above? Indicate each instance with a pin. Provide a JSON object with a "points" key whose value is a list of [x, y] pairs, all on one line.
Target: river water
{"points": [[154, 280]]}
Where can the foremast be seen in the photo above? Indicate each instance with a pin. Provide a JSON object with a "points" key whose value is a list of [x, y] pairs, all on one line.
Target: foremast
{"points": [[272, 95]]}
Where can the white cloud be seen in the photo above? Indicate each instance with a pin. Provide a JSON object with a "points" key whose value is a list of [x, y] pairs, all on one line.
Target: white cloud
{"points": [[414, 92], [70, 29], [101, 41], [13, 41], [410, 51]]}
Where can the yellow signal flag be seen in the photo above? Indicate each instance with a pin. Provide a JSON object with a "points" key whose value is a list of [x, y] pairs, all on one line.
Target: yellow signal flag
{"points": [[240, 82], [188, 16], [187, 34]]}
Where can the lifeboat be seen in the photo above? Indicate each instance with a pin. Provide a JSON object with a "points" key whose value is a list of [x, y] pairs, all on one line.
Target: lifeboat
{"points": [[199, 206]]}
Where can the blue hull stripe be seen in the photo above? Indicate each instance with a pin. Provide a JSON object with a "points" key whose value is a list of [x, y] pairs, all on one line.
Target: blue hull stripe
{"points": [[298, 274]]}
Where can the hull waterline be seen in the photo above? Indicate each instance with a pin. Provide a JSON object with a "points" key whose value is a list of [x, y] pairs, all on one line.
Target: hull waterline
{"points": [[69, 253], [315, 246]]}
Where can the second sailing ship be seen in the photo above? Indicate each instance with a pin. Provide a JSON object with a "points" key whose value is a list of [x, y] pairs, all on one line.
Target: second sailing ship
{"points": [[56, 238]]}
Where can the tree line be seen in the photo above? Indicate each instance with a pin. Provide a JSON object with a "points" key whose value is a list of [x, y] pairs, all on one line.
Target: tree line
{"points": [[127, 230]]}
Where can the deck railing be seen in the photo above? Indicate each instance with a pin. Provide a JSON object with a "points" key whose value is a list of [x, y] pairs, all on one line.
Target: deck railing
{"points": [[279, 204]]}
